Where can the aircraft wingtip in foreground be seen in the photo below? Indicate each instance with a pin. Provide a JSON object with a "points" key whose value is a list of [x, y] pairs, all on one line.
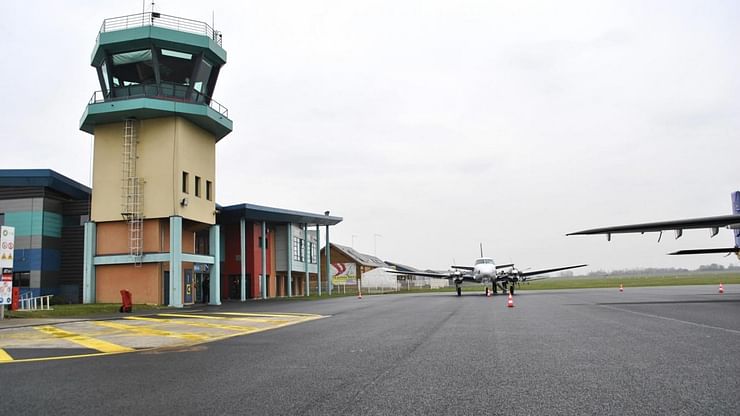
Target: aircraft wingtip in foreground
{"points": [[712, 223], [485, 270]]}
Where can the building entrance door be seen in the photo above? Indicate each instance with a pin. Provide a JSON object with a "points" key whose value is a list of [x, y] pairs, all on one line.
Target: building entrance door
{"points": [[188, 286], [166, 287]]}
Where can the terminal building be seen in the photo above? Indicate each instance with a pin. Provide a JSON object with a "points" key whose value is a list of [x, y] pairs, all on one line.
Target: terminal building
{"points": [[272, 252]]}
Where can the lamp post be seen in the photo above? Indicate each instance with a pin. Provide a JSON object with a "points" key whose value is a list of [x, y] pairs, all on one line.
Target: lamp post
{"points": [[375, 244]]}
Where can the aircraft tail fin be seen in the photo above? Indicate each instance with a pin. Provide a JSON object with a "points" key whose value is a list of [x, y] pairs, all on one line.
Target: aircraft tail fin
{"points": [[736, 211]]}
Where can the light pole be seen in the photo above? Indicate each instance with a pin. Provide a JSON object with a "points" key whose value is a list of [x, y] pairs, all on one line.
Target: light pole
{"points": [[375, 244]]}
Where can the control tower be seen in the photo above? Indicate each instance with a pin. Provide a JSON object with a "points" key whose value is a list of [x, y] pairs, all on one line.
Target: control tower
{"points": [[152, 228]]}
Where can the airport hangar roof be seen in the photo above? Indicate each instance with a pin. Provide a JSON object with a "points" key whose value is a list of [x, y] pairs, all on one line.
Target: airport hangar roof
{"points": [[18, 178], [361, 258], [253, 212]]}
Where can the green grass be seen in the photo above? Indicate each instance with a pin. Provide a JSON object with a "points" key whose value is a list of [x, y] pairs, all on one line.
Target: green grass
{"points": [[77, 310], [630, 281]]}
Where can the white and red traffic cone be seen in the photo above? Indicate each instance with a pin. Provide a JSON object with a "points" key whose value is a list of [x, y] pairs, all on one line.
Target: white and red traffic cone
{"points": [[721, 288], [488, 292], [510, 302], [359, 294], [621, 287]]}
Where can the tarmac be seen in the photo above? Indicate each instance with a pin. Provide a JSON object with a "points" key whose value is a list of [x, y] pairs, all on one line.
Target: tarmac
{"points": [[644, 351]]}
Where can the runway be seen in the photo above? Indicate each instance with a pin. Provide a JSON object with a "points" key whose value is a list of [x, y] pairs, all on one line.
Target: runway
{"points": [[668, 350]]}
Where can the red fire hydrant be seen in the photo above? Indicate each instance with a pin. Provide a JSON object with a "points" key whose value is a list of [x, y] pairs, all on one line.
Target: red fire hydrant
{"points": [[126, 301]]}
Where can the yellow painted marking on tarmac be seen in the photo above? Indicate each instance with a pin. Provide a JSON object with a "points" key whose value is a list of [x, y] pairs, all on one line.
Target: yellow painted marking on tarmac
{"points": [[223, 318], [153, 332], [275, 315], [59, 357], [4, 356], [244, 329], [87, 342], [240, 330]]}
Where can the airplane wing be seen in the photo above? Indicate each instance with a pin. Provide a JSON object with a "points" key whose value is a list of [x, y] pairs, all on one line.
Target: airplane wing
{"points": [[728, 250], [543, 271], [713, 223], [426, 274], [498, 266], [463, 267]]}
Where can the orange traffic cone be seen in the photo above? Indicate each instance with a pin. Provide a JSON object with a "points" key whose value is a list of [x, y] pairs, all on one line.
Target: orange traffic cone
{"points": [[621, 287], [510, 302], [721, 288]]}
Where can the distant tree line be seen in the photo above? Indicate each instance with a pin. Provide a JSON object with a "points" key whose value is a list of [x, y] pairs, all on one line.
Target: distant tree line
{"points": [[714, 267]]}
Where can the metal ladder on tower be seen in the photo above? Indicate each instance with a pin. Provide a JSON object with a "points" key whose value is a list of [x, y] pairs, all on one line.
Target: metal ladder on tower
{"points": [[131, 193]]}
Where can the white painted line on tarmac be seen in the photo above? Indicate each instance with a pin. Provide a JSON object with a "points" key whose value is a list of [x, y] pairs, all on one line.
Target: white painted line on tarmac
{"points": [[650, 315]]}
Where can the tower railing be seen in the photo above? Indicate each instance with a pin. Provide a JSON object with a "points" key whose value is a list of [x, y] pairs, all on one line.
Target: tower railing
{"points": [[161, 20], [165, 91]]}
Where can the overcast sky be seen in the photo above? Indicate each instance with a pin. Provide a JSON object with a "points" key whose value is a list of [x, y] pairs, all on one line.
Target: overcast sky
{"points": [[433, 126]]}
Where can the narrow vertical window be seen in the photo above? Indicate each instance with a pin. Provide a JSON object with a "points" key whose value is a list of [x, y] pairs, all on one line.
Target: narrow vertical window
{"points": [[185, 179], [209, 190], [197, 186]]}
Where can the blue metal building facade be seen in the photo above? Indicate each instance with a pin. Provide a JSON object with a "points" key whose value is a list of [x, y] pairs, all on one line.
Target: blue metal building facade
{"points": [[48, 211]]}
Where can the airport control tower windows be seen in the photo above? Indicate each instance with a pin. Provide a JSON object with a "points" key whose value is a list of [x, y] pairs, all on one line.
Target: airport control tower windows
{"points": [[158, 72], [132, 68], [103, 72], [175, 67], [201, 79]]}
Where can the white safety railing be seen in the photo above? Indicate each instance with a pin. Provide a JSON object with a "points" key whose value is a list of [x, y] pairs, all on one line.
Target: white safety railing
{"points": [[36, 303]]}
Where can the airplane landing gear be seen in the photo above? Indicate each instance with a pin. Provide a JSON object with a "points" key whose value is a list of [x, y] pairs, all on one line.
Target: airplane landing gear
{"points": [[459, 291], [495, 291], [511, 290]]}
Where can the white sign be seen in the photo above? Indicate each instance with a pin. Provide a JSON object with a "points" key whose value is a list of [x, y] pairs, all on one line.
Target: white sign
{"points": [[6, 292], [7, 243]]}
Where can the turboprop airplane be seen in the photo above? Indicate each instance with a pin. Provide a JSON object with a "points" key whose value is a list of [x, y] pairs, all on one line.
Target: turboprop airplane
{"points": [[712, 223], [485, 271]]}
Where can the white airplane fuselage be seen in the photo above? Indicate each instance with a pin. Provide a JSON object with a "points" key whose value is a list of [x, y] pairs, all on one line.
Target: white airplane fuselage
{"points": [[484, 270]]}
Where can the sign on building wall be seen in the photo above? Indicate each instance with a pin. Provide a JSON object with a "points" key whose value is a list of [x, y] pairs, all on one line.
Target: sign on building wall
{"points": [[7, 243], [344, 273]]}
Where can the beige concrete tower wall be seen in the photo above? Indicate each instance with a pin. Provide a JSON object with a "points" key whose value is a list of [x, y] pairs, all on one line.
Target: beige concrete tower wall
{"points": [[196, 154], [167, 147]]}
